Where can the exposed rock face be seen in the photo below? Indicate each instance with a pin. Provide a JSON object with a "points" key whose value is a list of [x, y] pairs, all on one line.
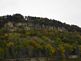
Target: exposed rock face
{"points": [[29, 22]]}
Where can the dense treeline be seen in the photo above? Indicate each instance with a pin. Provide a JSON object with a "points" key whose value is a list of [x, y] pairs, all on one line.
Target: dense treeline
{"points": [[29, 36], [38, 22]]}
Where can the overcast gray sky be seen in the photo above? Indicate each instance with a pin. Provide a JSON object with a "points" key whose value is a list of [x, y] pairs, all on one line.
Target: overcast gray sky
{"points": [[68, 11]]}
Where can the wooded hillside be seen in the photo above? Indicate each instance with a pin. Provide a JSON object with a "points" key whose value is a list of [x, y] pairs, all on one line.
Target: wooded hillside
{"points": [[27, 36]]}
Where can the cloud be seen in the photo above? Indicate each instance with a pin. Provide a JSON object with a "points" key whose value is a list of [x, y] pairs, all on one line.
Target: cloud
{"points": [[65, 10]]}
